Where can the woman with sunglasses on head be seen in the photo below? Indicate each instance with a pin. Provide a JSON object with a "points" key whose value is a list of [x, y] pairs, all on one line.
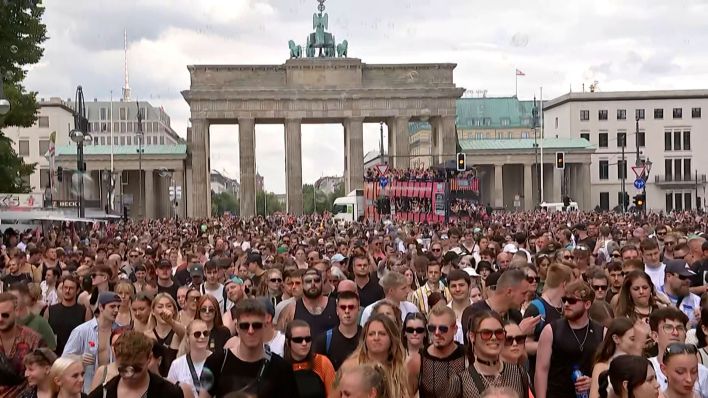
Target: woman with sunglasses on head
{"points": [[629, 376], [380, 344], [680, 367], [314, 373], [187, 368], [37, 366], [67, 377], [209, 313], [514, 351], [487, 338], [533, 279], [165, 332], [623, 337], [415, 334]]}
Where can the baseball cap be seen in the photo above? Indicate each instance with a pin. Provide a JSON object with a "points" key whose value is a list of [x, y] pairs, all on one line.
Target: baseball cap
{"points": [[234, 279], [108, 298], [282, 249], [471, 272], [337, 258], [678, 267], [164, 263], [510, 248], [196, 270]]}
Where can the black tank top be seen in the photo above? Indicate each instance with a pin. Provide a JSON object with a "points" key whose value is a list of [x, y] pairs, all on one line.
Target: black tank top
{"points": [[319, 324], [168, 354], [63, 320], [566, 354], [309, 384]]}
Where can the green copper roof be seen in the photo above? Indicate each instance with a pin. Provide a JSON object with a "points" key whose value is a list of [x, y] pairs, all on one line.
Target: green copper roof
{"points": [[488, 113], [178, 149], [526, 144]]}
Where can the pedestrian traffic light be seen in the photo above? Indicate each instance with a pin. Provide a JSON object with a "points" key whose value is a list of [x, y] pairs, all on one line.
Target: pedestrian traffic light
{"points": [[560, 160], [461, 161]]}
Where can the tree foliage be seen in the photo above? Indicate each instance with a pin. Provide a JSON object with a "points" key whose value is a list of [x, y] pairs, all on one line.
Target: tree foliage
{"points": [[267, 201], [21, 35], [223, 202], [324, 201]]}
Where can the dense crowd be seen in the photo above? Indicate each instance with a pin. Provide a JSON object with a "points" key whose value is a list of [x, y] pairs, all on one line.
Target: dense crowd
{"points": [[510, 305], [411, 174]]}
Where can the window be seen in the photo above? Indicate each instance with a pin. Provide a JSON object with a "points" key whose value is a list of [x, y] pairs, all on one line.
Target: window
{"points": [[658, 113], [602, 114], [103, 113], [95, 140], [115, 140], [642, 139], [122, 114], [669, 202], [687, 170], [497, 135], [687, 201], [122, 140], [677, 170], [556, 122], [639, 114], [604, 170], [602, 142], [585, 136], [43, 178], [621, 114], [686, 140], [487, 122], [619, 198], [696, 113], [668, 169], [116, 127], [478, 122], [130, 127], [604, 201], [129, 140], [43, 147], [43, 121], [584, 115], [678, 113], [23, 147], [678, 205], [667, 140], [103, 140], [27, 181], [621, 139], [122, 127], [479, 135], [622, 169], [677, 140], [162, 139], [504, 121]]}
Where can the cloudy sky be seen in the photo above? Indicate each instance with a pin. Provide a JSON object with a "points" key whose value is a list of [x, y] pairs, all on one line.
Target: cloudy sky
{"points": [[559, 44]]}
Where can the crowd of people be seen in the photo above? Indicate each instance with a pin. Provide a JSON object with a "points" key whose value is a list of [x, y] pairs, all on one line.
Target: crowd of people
{"points": [[512, 305], [411, 174]]}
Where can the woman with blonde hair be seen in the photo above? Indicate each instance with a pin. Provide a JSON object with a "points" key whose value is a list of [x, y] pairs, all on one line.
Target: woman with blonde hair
{"points": [[366, 380], [381, 344], [126, 291], [187, 368], [167, 331], [67, 377]]}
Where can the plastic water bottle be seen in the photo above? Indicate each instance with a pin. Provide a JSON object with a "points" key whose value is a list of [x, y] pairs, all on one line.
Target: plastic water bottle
{"points": [[575, 375]]}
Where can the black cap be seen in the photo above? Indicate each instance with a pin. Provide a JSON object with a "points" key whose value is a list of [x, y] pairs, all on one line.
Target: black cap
{"points": [[678, 267], [492, 279]]}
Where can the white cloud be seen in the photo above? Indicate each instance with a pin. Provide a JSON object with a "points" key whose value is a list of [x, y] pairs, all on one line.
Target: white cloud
{"points": [[630, 44]]}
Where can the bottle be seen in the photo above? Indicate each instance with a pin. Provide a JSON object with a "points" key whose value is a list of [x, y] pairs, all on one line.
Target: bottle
{"points": [[575, 375]]}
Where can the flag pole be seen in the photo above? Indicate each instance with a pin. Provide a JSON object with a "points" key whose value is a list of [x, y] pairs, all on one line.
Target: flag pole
{"points": [[111, 133], [542, 137], [516, 83]]}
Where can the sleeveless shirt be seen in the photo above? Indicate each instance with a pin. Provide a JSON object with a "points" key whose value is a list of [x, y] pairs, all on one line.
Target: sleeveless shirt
{"points": [[567, 353], [319, 324]]}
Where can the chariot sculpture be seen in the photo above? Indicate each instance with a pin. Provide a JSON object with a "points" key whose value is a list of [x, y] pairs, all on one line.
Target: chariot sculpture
{"points": [[320, 43]]}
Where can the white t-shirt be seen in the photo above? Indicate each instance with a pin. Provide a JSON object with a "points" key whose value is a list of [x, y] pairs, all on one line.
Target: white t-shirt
{"points": [[179, 372], [701, 386], [218, 294], [656, 274], [406, 307], [277, 344]]}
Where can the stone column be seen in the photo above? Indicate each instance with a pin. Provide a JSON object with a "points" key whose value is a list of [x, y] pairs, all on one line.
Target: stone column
{"points": [[247, 161], [586, 194], [201, 186], [528, 187], [179, 177], [498, 185], [149, 193], [447, 143], [293, 166], [557, 195], [354, 147], [401, 143]]}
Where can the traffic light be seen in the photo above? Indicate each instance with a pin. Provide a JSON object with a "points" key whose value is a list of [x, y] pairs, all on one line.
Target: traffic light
{"points": [[560, 160], [60, 174], [639, 201], [461, 161], [566, 201]]}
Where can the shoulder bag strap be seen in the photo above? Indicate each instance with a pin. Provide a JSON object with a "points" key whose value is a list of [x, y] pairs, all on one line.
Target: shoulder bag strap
{"points": [[193, 371], [477, 379]]}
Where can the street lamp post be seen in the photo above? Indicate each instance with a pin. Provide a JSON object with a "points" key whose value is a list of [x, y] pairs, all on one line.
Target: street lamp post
{"points": [[139, 135], [169, 173], [647, 170], [79, 135], [4, 103]]}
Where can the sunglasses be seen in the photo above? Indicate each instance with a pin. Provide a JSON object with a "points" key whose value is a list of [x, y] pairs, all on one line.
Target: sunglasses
{"points": [[436, 250], [197, 334], [312, 280], [568, 257], [519, 340], [276, 280], [248, 325], [301, 339], [347, 307], [194, 298], [533, 279], [207, 310], [486, 334], [599, 287], [570, 300], [129, 370], [442, 328], [679, 348], [5, 315], [412, 330]]}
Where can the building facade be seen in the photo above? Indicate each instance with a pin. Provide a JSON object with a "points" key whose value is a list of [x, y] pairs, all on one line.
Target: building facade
{"points": [[220, 182], [664, 126]]}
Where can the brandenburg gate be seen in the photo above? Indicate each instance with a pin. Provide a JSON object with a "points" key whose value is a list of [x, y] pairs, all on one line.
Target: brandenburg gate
{"points": [[317, 88]]}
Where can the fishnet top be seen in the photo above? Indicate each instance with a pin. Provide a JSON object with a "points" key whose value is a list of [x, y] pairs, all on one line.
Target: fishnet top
{"points": [[435, 373], [512, 376]]}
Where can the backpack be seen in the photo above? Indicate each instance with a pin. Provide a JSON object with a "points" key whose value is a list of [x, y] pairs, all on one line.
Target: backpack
{"points": [[328, 340]]}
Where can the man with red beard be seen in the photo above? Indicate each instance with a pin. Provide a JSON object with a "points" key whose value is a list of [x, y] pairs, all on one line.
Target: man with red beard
{"points": [[567, 344]]}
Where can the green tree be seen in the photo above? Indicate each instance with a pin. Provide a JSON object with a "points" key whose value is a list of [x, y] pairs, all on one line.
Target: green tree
{"points": [[21, 36], [324, 200], [267, 201], [223, 202]]}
